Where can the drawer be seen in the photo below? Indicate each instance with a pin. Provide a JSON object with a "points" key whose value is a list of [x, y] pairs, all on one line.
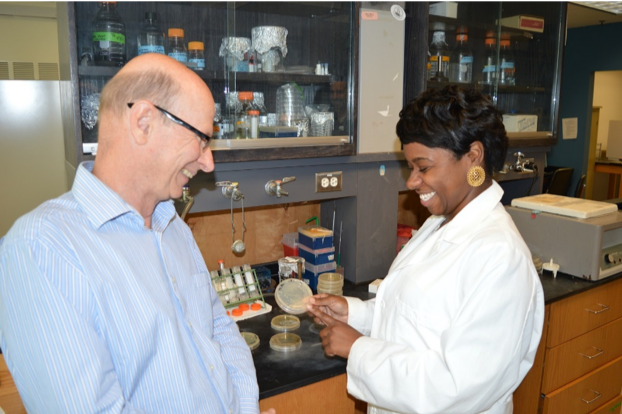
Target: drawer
{"points": [[581, 313], [588, 392], [571, 360], [611, 407]]}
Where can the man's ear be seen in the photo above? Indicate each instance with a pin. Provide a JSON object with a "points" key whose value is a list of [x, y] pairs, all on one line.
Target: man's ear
{"points": [[142, 116]]}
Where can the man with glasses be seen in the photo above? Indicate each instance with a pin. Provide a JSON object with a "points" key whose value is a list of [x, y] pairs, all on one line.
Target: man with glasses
{"points": [[105, 300]]}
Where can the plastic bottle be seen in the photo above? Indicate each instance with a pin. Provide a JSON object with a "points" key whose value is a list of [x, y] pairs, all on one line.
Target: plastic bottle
{"points": [[489, 74], [196, 55], [108, 36], [507, 70], [461, 58], [250, 281], [239, 281], [151, 38], [253, 116], [176, 46], [439, 55], [242, 129]]}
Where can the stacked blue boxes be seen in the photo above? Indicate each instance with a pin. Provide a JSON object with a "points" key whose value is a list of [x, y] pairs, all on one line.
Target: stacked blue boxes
{"points": [[315, 245]]}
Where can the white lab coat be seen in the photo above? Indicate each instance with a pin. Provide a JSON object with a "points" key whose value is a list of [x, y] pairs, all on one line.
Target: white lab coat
{"points": [[456, 323]]}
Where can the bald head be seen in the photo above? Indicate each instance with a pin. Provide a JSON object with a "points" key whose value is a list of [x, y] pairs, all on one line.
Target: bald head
{"points": [[154, 77]]}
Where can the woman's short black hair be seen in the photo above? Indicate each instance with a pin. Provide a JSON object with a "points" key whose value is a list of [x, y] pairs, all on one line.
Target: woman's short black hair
{"points": [[453, 118]]}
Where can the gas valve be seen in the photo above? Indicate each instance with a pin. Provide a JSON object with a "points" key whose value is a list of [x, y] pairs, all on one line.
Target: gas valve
{"points": [[273, 187]]}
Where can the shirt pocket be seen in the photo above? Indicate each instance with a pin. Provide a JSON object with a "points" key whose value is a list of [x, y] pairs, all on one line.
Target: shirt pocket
{"points": [[419, 323], [198, 298]]}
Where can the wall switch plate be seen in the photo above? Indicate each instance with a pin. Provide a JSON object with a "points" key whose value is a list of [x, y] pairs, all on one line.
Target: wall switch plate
{"points": [[328, 181]]}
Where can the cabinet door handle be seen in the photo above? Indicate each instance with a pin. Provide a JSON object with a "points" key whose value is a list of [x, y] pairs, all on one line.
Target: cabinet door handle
{"points": [[604, 308], [598, 395], [600, 352]]}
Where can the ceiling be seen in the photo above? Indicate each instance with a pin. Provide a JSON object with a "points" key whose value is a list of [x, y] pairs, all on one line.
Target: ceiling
{"points": [[579, 16]]}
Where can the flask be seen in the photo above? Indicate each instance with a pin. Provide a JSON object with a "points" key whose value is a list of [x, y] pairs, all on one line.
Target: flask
{"points": [[176, 47], [108, 36], [196, 55], [151, 38], [250, 281], [461, 58], [439, 55], [242, 129], [507, 68], [490, 69], [239, 281]]}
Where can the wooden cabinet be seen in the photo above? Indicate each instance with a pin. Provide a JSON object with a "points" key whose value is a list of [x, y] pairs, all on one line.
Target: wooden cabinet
{"points": [[327, 396], [10, 401], [582, 352]]}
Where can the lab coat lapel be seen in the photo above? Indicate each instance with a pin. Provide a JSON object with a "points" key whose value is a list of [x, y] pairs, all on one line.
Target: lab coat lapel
{"points": [[407, 254]]}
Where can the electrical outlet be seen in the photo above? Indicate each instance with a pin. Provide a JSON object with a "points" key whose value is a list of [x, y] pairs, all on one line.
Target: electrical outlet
{"points": [[328, 181]]}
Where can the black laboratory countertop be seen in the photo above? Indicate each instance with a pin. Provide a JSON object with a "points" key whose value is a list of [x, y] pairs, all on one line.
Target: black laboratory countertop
{"points": [[279, 372]]}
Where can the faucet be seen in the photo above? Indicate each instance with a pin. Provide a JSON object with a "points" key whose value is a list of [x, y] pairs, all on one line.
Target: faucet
{"points": [[188, 201], [273, 187]]}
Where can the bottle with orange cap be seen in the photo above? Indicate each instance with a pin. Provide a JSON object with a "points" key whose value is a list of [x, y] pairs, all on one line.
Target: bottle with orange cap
{"points": [[490, 59], [176, 46], [507, 68], [108, 36], [196, 55], [461, 58], [243, 128]]}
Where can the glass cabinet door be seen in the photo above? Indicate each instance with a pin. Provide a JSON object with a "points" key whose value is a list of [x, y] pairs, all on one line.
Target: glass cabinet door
{"points": [[298, 55], [509, 50]]}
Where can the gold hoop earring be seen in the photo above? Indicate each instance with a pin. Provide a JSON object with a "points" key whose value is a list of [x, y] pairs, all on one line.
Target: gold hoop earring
{"points": [[476, 176]]}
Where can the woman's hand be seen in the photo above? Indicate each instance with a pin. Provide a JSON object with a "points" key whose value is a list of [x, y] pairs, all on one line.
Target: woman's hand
{"points": [[337, 337], [335, 306]]}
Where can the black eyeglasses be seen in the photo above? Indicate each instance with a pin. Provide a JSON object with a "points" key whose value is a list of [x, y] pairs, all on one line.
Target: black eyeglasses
{"points": [[205, 138]]}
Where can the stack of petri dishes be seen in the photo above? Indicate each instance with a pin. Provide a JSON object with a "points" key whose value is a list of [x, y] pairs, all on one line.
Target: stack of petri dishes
{"points": [[330, 283]]}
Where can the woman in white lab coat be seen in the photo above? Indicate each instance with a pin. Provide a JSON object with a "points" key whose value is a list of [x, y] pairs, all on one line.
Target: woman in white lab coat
{"points": [[455, 324]]}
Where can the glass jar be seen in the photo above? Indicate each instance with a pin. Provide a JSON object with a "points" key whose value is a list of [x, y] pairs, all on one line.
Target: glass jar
{"points": [[196, 55]]}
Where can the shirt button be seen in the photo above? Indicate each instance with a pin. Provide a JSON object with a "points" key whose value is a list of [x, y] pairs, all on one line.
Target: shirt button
{"points": [[211, 367], [173, 280], [190, 324]]}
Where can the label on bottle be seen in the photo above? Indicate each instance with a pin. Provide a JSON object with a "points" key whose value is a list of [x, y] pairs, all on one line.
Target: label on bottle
{"points": [[109, 37], [200, 63], [150, 49], [490, 68], [464, 60], [179, 56], [507, 65]]}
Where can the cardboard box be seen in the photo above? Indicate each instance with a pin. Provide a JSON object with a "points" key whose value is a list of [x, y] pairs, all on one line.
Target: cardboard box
{"points": [[445, 9], [524, 22], [520, 123]]}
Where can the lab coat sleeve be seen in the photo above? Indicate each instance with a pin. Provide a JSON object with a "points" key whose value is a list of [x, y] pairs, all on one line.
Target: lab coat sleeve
{"points": [[70, 371], [486, 349], [360, 314]]}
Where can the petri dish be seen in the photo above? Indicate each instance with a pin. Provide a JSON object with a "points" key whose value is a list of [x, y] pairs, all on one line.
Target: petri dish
{"points": [[292, 295], [285, 342], [330, 280], [285, 323], [252, 340]]}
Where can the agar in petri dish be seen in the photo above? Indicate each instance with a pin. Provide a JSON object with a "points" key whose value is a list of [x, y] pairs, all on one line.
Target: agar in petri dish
{"points": [[285, 342], [285, 323], [292, 296], [252, 340]]}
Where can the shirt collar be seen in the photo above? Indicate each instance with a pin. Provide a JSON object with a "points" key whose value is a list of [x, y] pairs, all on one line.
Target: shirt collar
{"points": [[101, 204], [473, 213]]}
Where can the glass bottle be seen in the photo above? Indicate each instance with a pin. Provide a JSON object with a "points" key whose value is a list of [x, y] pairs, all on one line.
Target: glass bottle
{"points": [[258, 103], [239, 281], [176, 46], [196, 55], [242, 130], [461, 58], [439, 55], [151, 38], [489, 74], [108, 36], [253, 116], [507, 70]]}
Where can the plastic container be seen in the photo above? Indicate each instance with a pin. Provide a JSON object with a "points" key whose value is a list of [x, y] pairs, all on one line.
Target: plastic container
{"points": [[285, 323], [317, 257], [196, 55], [292, 296], [330, 281], [312, 273], [404, 234], [315, 237], [108, 36], [277, 131], [285, 342], [151, 37], [290, 244], [176, 46]]}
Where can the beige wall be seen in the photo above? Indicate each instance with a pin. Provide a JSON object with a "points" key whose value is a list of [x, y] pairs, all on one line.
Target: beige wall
{"points": [[607, 95]]}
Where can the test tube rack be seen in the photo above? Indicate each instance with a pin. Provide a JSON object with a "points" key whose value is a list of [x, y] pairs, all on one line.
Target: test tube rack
{"points": [[229, 291]]}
